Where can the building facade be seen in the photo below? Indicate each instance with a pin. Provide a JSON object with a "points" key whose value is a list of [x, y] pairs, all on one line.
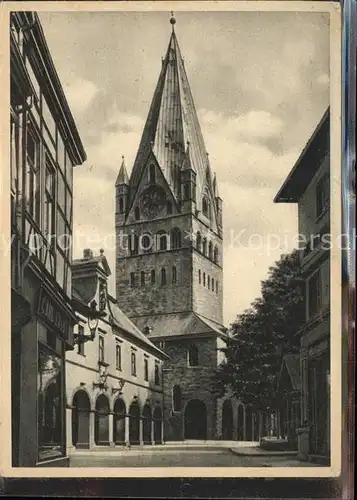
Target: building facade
{"points": [[308, 185], [114, 376], [169, 238], [44, 148]]}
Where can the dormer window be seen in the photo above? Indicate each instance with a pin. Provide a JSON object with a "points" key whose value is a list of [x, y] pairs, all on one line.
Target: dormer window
{"points": [[152, 174]]}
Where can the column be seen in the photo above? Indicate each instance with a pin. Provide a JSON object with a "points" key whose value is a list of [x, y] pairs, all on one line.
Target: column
{"points": [[91, 429], [69, 444], [127, 428], [111, 429], [141, 431], [152, 423]]}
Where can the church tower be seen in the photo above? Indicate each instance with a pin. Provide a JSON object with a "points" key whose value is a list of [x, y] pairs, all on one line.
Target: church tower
{"points": [[169, 250]]}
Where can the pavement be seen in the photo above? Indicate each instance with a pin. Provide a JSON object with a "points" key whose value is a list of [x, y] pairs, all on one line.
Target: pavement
{"points": [[186, 454]]}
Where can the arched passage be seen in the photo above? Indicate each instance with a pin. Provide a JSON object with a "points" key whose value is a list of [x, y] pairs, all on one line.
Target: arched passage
{"points": [[147, 424], [240, 429], [157, 425], [248, 424], [80, 420], [227, 421], [134, 423], [101, 428], [119, 422], [195, 420]]}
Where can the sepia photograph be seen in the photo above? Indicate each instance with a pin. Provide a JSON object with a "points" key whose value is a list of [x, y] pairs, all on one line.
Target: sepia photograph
{"points": [[172, 239]]}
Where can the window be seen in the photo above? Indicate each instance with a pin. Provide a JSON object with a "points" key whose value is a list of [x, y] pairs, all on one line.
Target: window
{"points": [[146, 243], [208, 282], [118, 356], [153, 277], [146, 369], [157, 374], [137, 213], [186, 192], [169, 208], [142, 279], [206, 209], [176, 238], [322, 195], [174, 275], [212, 285], [193, 355], [152, 174], [176, 398], [101, 349], [133, 244], [204, 246], [210, 250], [199, 276], [80, 347], [49, 211], [199, 241], [163, 276], [50, 411], [132, 280], [133, 363], [121, 205], [33, 175], [314, 294], [204, 279], [161, 240], [216, 254]]}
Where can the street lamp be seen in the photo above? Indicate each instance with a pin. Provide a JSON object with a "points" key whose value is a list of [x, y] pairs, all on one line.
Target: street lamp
{"points": [[93, 320], [121, 383]]}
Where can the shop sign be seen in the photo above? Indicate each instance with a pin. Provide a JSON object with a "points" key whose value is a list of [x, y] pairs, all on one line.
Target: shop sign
{"points": [[55, 317]]}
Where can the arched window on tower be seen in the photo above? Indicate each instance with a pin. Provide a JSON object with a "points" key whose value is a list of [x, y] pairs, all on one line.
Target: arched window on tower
{"points": [[204, 246], [152, 173], [161, 240], [133, 244], [216, 254], [199, 241], [163, 277], [212, 285], [175, 238], [174, 275], [210, 250], [193, 355], [206, 207], [153, 276], [142, 278], [204, 279], [121, 205], [208, 282], [199, 276], [137, 213], [176, 398], [132, 280]]}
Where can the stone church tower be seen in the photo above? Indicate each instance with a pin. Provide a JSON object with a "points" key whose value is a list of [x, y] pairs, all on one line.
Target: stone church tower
{"points": [[169, 251]]}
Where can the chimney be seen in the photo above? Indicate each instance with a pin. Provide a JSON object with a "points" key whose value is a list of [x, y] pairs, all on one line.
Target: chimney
{"points": [[87, 254]]}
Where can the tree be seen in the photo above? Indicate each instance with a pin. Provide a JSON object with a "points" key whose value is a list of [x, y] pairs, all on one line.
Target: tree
{"points": [[262, 335]]}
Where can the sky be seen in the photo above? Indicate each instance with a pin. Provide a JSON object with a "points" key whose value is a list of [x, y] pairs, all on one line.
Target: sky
{"points": [[260, 81]]}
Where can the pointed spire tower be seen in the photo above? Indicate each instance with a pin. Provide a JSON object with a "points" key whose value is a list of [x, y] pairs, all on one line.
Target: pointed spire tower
{"points": [[169, 210], [172, 123]]}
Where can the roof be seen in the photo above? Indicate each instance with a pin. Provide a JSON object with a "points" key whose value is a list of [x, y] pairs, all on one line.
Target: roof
{"points": [[122, 321], [307, 164], [99, 259], [292, 364], [123, 177], [179, 325], [171, 125]]}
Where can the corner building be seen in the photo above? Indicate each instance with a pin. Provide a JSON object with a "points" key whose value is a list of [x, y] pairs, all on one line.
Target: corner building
{"points": [[169, 252]]}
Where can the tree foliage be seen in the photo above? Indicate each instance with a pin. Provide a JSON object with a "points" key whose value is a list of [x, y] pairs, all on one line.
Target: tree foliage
{"points": [[261, 335]]}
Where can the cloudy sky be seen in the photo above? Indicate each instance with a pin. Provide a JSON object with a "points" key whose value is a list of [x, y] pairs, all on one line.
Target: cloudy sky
{"points": [[260, 83]]}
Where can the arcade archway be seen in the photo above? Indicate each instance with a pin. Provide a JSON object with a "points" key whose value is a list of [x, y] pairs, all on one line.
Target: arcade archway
{"points": [[134, 423], [195, 420], [227, 420], [80, 419], [101, 428], [147, 424], [119, 422], [157, 425]]}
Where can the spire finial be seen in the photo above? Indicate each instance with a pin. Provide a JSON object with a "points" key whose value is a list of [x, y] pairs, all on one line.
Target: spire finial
{"points": [[172, 21]]}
